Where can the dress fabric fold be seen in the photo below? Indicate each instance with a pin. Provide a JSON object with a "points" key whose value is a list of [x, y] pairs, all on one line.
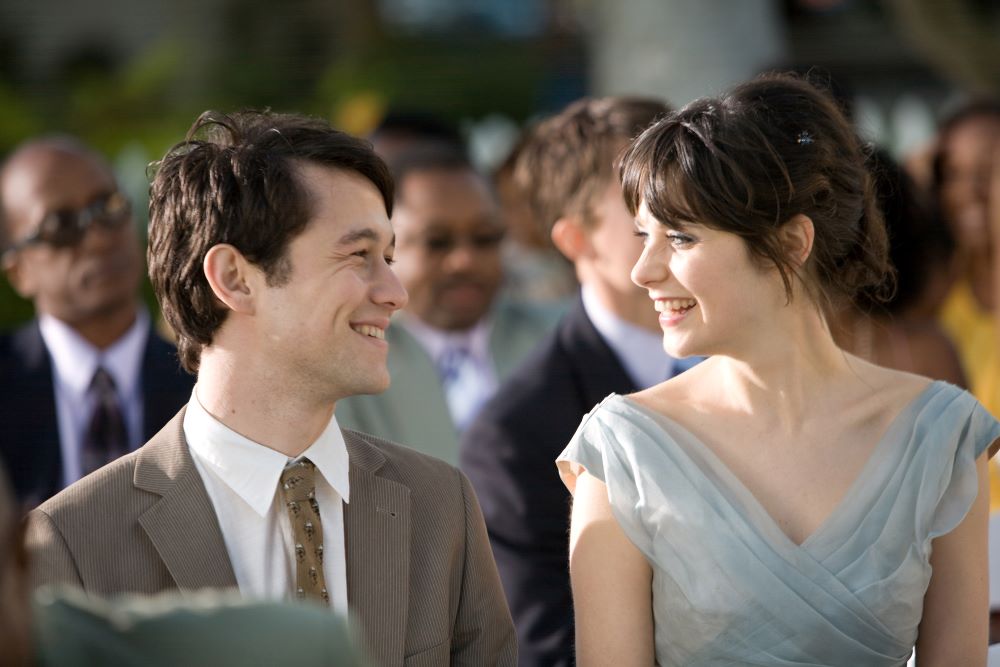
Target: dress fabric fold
{"points": [[729, 587]]}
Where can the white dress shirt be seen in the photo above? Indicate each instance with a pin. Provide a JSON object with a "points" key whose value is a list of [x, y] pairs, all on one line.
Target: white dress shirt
{"points": [[477, 380], [241, 477], [640, 350], [74, 362]]}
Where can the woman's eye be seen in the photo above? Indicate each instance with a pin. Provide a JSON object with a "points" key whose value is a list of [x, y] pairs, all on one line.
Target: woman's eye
{"points": [[680, 240], [390, 260]]}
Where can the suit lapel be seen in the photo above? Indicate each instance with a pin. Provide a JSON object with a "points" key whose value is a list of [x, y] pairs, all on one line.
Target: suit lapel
{"points": [[416, 400], [377, 535], [182, 526]]}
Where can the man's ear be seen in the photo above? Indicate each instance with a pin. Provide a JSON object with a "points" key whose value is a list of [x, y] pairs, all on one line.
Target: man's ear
{"points": [[228, 274], [570, 238], [797, 236], [21, 280]]}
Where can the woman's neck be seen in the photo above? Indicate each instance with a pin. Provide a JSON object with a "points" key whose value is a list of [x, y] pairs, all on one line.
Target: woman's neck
{"points": [[787, 371]]}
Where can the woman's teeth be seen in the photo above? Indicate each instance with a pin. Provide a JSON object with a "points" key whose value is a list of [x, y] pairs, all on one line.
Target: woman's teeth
{"points": [[674, 305]]}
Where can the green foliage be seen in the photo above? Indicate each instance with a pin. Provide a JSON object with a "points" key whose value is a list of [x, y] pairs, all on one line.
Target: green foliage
{"points": [[13, 309], [434, 75], [17, 120]]}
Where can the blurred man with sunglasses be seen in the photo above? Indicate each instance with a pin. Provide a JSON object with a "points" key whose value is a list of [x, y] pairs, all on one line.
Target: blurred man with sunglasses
{"points": [[455, 340], [88, 380]]}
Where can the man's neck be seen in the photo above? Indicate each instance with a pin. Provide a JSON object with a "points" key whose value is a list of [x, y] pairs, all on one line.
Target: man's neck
{"points": [[104, 331], [435, 340], [251, 402]]}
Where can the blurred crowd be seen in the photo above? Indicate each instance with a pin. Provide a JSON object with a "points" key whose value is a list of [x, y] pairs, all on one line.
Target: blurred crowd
{"points": [[521, 316]]}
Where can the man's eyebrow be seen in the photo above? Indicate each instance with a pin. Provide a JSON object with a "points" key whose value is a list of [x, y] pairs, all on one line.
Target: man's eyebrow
{"points": [[366, 234]]}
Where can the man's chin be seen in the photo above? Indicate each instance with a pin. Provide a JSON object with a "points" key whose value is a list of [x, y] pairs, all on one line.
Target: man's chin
{"points": [[122, 302], [374, 387], [95, 308], [459, 319]]}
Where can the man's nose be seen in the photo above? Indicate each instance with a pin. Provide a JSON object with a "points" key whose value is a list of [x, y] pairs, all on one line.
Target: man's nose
{"points": [[464, 256], [103, 237], [390, 291]]}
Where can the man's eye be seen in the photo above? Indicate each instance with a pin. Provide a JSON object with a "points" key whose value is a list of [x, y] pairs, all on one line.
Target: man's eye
{"points": [[438, 243], [487, 240], [361, 253]]}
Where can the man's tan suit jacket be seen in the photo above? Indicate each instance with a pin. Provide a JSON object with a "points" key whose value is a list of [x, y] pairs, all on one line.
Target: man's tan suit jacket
{"points": [[421, 579]]}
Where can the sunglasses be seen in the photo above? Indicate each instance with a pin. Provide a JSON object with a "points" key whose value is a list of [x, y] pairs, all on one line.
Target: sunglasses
{"points": [[67, 227]]}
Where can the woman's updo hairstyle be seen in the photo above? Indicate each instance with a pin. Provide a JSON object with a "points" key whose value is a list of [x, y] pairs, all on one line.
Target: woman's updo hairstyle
{"points": [[749, 161]]}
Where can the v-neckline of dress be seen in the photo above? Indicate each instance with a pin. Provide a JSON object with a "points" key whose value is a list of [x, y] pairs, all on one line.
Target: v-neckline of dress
{"points": [[731, 483]]}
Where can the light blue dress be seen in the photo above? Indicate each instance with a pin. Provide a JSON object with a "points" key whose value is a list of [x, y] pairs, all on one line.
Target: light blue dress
{"points": [[730, 588]]}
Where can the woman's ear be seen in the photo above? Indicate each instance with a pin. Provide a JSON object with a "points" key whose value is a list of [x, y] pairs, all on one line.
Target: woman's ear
{"points": [[569, 238], [797, 236], [228, 274]]}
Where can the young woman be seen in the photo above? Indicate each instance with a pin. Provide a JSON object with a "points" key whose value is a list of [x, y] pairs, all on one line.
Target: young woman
{"points": [[782, 503]]}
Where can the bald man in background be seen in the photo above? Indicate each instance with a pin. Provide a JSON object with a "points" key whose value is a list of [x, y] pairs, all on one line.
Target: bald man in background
{"points": [[88, 379]]}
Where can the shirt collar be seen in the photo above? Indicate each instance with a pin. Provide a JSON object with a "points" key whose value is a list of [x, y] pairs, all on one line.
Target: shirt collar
{"points": [[252, 470], [639, 350], [75, 359], [437, 341]]}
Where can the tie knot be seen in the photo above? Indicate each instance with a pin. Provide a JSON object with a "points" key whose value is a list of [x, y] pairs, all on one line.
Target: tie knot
{"points": [[450, 362], [298, 481], [102, 382]]}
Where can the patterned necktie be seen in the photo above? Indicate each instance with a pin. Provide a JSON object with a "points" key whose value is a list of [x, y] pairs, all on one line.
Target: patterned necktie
{"points": [[106, 438], [298, 486], [463, 391]]}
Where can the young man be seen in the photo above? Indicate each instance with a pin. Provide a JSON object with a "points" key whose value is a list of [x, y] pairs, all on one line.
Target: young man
{"points": [[610, 341], [269, 250], [88, 380]]}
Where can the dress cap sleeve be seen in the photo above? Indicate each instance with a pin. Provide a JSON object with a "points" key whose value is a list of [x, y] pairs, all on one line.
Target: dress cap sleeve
{"points": [[968, 435], [585, 451]]}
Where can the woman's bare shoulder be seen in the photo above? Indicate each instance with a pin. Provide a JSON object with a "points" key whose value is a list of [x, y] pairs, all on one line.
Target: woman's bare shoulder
{"points": [[885, 389]]}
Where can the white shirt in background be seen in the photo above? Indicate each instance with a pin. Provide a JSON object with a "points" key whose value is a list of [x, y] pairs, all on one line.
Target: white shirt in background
{"points": [[74, 362], [477, 380]]}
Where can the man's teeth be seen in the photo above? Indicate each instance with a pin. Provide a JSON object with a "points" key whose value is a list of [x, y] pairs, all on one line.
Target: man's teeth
{"points": [[674, 305], [368, 330]]}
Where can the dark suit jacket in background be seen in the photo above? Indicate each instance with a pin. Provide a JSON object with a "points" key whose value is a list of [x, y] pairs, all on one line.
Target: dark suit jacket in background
{"points": [[509, 455], [29, 444], [421, 580]]}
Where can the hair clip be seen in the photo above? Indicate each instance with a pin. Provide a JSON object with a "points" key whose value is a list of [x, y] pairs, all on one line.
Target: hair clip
{"points": [[804, 138]]}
